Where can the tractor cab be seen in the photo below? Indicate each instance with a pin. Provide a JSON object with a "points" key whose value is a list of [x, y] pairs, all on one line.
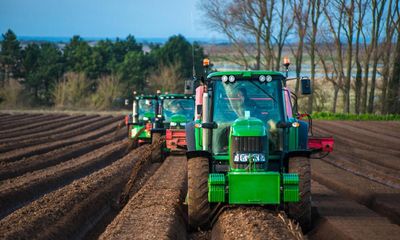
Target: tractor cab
{"points": [[176, 111], [143, 119], [249, 149]]}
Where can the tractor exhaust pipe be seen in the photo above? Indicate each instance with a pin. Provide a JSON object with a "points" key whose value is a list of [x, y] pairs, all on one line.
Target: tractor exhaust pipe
{"points": [[206, 119], [135, 112]]}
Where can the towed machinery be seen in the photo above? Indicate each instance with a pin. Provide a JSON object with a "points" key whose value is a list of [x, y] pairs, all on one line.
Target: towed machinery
{"points": [[250, 147], [176, 111]]}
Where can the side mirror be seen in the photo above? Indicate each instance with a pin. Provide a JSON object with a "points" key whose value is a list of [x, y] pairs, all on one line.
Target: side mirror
{"points": [[305, 86], [126, 102]]}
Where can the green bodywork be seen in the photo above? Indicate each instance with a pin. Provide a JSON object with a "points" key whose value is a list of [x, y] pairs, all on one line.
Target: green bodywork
{"points": [[147, 117], [251, 185], [249, 127], [179, 118]]}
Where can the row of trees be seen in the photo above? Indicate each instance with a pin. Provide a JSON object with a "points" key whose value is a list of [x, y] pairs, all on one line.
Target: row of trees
{"points": [[41, 67], [354, 44]]}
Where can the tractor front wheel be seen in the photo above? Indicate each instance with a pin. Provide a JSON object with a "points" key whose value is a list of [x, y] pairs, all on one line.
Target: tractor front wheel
{"points": [[301, 211], [198, 206]]}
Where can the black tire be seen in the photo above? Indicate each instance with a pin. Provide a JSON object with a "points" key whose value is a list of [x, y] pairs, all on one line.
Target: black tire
{"points": [[198, 206], [301, 211], [157, 153]]}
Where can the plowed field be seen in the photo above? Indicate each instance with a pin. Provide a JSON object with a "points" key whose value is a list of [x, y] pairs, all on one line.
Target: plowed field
{"points": [[78, 177]]}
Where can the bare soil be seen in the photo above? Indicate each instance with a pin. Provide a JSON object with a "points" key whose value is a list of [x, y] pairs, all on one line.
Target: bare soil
{"points": [[155, 211], [70, 177], [254, 223], [340, 218], [110, 125]]}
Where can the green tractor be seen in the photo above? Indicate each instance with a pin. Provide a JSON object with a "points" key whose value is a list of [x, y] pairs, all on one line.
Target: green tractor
{"points": [[143, 124], [250, 148], [176, 111]]}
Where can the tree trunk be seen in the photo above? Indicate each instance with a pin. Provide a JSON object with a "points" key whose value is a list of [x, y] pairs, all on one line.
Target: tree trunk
{"points": [[373, 82], [394, 84], [335, 97], [258, 56], [358, 87], [348, 78], [299, 59], [365, 87]]}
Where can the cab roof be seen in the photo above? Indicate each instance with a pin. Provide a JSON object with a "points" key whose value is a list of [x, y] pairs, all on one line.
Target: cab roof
{"points": [[245, 73], [146, 97], [175, 96]]}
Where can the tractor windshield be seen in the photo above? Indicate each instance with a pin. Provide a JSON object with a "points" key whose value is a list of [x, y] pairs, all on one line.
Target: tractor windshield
{"points": [[183, 107], [147, 109], [243, 99]]}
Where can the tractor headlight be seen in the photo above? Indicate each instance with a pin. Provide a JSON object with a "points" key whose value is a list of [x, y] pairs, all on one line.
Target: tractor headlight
{"points": [[145, 118], [247, 157], [173, 124], [183, 124]]}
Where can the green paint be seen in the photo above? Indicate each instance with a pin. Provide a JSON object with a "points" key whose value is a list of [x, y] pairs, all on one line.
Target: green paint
{"points": [[293, 138], [254, 187], [178, 118], [216, 187], [136, 128], [291, 187], [198, 134], [149, 115], [249, 127], [221, 157]]}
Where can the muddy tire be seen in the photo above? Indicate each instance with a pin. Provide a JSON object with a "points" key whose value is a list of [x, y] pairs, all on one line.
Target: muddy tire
{"points": [[198, 206], [157, 153], [301, 211]]}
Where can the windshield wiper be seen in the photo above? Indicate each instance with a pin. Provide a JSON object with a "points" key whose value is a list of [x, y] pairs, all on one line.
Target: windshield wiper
{"points": [[266, 93]]}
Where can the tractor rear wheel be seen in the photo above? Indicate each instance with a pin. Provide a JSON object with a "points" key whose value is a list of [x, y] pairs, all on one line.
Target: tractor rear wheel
{"points": [[301, 211], [157, 153], [198, 206]]}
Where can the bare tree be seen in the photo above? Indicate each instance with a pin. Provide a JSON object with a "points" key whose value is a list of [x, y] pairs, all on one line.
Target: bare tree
{"points": [[269, 55], [301, 12], [317, 8], [221, 18], [361, 10], [251, 17], [390, 27], [244, 22], [334, 15], [349, 32], [394, 83], [378, 8], [327, 54], [286, 22]]}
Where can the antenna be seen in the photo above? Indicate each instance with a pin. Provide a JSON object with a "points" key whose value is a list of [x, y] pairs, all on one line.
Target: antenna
{"points": [[194, 69]]}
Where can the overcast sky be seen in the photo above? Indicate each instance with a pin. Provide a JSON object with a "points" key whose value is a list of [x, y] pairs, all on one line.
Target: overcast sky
{"points": [[103, 18]]}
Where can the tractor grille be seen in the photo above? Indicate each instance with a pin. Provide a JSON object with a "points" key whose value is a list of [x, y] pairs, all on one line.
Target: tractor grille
{"points": [[247, 145]]}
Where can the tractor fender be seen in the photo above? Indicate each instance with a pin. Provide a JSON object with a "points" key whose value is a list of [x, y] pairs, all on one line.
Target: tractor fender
{"points": [[194, 154]]}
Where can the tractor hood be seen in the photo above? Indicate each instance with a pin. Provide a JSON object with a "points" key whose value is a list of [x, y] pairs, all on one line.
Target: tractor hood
{"points": [[149, 115], [249, 127], [178, 118]]}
